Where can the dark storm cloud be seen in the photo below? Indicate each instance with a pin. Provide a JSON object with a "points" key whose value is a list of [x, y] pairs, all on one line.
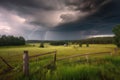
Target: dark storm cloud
{"points": [[19, 2], [103, 20], [24, 3], [88, 17], [83, 5], [38, 6], [87, 5]]}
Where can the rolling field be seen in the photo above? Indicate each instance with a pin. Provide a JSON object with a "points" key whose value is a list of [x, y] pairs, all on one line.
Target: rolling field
{"points": [[100, 67]]}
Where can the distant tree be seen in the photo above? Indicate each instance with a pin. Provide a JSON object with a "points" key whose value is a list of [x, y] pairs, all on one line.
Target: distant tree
{"points": [[116, 31], [87, 44], [57, 43], [41, 45], [80, 44]]}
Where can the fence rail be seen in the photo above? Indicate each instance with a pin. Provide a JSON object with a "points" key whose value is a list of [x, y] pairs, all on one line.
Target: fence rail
{"points": [[6, 62], [42, 54], [86, 55]]}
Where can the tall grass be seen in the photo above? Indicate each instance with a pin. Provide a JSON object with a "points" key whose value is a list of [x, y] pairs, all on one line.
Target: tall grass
{"points": [[107, 70], [99, 67]]}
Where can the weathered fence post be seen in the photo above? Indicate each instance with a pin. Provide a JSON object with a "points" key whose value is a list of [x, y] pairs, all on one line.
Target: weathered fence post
{"points": [[26, 63]]}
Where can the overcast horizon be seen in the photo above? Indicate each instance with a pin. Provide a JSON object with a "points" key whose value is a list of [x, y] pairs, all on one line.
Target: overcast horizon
{"points": [[59, 19]]}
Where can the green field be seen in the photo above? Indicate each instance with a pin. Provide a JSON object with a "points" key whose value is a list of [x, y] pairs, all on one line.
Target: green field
{"points": [[100, 67]]}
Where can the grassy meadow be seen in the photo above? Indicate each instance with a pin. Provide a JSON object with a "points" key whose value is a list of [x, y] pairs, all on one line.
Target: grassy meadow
{"points": [[99, 67]]}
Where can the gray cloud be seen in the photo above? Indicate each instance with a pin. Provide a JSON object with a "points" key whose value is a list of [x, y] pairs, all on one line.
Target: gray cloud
{"points": [[41, 11], [68, 16]]}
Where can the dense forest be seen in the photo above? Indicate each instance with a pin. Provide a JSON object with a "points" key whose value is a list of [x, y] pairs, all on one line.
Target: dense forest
{"points": [[11, 40]]}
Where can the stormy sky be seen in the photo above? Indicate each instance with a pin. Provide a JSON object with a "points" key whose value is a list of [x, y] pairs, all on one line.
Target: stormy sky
{"points": [[59, 19]]}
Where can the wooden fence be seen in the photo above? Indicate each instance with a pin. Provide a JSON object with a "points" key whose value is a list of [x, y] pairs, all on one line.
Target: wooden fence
{"points": [[26, 58]]}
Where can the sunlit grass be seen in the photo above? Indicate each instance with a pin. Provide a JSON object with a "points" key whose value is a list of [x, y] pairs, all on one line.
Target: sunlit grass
{"points": [[69, 69]]}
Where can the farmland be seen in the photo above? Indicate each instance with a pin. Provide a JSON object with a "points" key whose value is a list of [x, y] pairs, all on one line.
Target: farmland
{"points": [[100, 67]]}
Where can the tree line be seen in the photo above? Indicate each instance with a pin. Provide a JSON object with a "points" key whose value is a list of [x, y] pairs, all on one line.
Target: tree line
{"points": [[11, 40], [97, 40]]}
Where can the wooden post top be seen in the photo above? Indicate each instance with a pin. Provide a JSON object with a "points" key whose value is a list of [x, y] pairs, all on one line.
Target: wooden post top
{"points": [[25, 51]]}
